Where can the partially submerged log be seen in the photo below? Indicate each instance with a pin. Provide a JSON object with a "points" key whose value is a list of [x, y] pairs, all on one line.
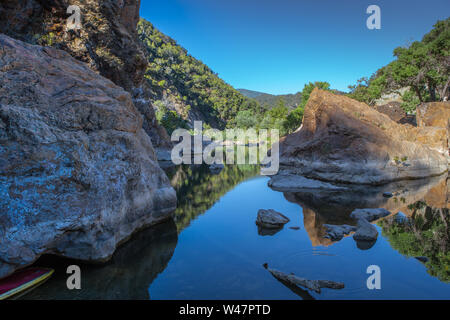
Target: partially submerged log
{"points": [[314, 285]]}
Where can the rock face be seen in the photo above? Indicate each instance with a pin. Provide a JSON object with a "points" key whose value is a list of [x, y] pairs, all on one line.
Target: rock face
{"points": [[343, 140], [369, 214], [271, 219], [78, 174], [107, 42]]}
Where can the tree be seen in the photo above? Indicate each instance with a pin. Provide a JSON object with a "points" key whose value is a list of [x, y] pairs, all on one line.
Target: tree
{"points": [[246, 119], [308, 88]]}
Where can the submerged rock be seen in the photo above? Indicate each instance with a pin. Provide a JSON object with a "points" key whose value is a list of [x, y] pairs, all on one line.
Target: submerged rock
{"points": [[343, 140], [314, 285], [78, 174], [271, 219]]}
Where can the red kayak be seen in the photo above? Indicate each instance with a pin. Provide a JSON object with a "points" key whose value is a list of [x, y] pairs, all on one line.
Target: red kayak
{"points": [[22, 281]]}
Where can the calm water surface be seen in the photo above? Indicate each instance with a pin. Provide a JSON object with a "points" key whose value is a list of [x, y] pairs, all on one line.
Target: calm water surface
{"points": [[214, 250]]}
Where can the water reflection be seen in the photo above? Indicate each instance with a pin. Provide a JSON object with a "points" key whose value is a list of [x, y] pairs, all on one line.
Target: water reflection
{"points": [[128, 275], [198, 188], [423, 232]]}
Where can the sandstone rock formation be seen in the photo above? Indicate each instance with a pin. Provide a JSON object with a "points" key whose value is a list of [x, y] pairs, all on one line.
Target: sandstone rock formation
{"points": [[343, 140], [107, 42], [435, 114], [78, 174]]}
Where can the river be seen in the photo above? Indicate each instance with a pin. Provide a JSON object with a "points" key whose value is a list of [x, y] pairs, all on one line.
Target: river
{"points": [[214, 250]]}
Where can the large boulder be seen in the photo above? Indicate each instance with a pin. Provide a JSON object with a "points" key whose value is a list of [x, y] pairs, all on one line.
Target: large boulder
{"points": [[78, 174], [343, 140], [107, 41]]}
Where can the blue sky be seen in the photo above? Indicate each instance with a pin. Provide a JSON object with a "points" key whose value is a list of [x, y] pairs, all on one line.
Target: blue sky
{"points": [[276, 46]]}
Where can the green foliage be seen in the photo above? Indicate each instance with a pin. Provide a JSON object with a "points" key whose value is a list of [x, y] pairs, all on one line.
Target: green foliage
{"points": [[292, 101], [425, 235], [423, 66], [170, 120], [246, 119], [171, 70], [198, 189]]}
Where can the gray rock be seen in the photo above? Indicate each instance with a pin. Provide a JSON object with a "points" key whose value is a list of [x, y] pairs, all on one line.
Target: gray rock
{"points": [[336, 233], [369, 214], [314, 285], [271, 219], [365, 231], [293, 183], [387, 194], [78, 174]]}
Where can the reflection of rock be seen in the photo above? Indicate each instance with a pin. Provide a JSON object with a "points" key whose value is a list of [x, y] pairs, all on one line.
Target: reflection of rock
{"points": [[293, 182], [314, 285], [344, 140], [271, 219], [78, 174], [333, 207], [365, 231], [128, 275], [268, 231], [336, 233]]}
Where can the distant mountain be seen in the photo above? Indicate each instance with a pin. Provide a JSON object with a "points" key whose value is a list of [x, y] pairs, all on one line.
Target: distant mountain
{"points": [[270, 100]]}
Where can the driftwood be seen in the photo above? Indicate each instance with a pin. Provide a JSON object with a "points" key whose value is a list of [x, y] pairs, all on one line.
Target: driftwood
{"points": [[314, 285]]}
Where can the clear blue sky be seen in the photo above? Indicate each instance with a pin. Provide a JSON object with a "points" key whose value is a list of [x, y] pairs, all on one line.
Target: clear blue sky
{"points": [[276, 46]]}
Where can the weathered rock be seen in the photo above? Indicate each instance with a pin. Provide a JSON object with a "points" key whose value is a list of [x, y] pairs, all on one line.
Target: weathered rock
{"points": [[78, 174], [292, 183], [314, 285], [365, 231], [435, 114], [271, 219], [337, 232], [369, 214], [343, 140]]}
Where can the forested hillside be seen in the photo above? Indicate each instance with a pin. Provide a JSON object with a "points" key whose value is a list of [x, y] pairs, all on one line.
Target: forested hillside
{"points": [[423, 67], [184, 89], [270, 101]]}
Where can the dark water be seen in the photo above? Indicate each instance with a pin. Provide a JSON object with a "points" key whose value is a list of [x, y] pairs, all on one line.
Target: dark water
{"points": [[214, 250]]}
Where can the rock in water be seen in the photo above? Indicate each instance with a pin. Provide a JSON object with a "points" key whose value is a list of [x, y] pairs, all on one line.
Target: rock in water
{"points": [[78, 175], [271, 219], [343, 140], [365, 231]]}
